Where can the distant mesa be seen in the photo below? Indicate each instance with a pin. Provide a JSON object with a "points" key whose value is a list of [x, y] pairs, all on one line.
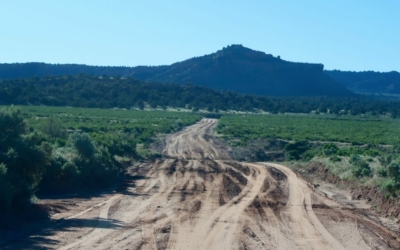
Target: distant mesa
{"points": [[234, 68]]}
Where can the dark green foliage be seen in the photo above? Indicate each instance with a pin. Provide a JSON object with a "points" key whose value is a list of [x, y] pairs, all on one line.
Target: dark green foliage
{"points": [[83, 144], [329, 149], [385, 160], [348, 151], [54, 128], [97, 169], [335, 158], [105, 92], [119, 143], [393, 171], [70, 172], [382, 172], [370, 160], [390, 187], [295, 150], [22, 160], [360, 166], [371, 152], [310, 153], [12, 126]]}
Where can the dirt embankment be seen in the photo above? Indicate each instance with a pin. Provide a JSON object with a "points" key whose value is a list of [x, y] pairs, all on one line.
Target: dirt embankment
{"points": [[386, 206], [197, 197]]}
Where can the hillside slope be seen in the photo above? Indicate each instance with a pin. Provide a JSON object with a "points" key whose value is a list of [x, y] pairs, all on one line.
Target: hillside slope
{"points": [[233, 68], [368, 81], [252, 72]]}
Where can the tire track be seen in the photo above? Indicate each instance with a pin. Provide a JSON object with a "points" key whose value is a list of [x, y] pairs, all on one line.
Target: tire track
{"points": [[198, 198]]}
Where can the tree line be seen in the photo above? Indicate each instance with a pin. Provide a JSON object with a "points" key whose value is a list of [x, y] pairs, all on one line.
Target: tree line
{"points": [[109, 92]]}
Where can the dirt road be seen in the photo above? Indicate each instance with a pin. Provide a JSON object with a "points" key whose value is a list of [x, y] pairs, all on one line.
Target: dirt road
{"points": [[197, 198]]}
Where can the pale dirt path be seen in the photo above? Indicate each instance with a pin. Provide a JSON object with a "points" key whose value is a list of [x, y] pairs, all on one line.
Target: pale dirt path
{"points": [[193, 143], [197, 198], [308, 230]]}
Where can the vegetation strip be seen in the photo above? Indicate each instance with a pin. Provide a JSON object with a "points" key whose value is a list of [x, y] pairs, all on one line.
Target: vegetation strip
{"points": [[54, 150]]}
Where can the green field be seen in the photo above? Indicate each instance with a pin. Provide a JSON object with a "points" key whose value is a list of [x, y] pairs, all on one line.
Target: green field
{"points": [[142, 126], [311, 128], [352, 148], [74, 149]]}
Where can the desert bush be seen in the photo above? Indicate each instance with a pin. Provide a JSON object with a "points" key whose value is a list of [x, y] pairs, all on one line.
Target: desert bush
{"points": [[335, 158], [122, 144], [360, 166], [83, 143], [382, 172], [385, 160], [54, 128], [393, 171], [22, 160], [329, 149], [390, 187], [12, 126], [70, 172], [295, 150]]}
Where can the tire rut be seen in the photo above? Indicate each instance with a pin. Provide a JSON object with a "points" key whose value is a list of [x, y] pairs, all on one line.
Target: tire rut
{"points": [[198, 198]]}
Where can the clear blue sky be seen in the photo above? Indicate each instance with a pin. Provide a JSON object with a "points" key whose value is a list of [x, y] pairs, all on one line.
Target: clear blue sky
{"points": [[341, 34]]}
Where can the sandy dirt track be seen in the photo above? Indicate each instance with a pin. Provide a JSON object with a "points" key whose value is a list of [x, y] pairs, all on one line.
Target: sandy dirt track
{"points": [[196, 197]]}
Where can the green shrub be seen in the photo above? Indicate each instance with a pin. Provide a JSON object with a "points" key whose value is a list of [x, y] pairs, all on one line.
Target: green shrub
{"points": [[122, 144], [329, 149], [83, 143], [390, 187], [12, 126], [295, 150], [335, 158], [309, 154], [385, 160], [372, 152], [54, 128], [394, 171], [70, 172], [360, 166], [24, 158], [382, 172]]}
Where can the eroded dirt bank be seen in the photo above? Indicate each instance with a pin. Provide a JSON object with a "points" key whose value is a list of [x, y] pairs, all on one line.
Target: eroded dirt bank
{"points": [[198, 198]]}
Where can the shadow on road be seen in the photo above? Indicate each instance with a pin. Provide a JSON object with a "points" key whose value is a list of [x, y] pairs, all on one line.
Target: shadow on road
{"points": [[34, 231], [41, 239]]}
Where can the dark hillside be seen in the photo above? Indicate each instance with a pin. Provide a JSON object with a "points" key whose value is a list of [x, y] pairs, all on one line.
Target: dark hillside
{"points": [[25, 70], [368, 81], [234, 68], [252, 72]]}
